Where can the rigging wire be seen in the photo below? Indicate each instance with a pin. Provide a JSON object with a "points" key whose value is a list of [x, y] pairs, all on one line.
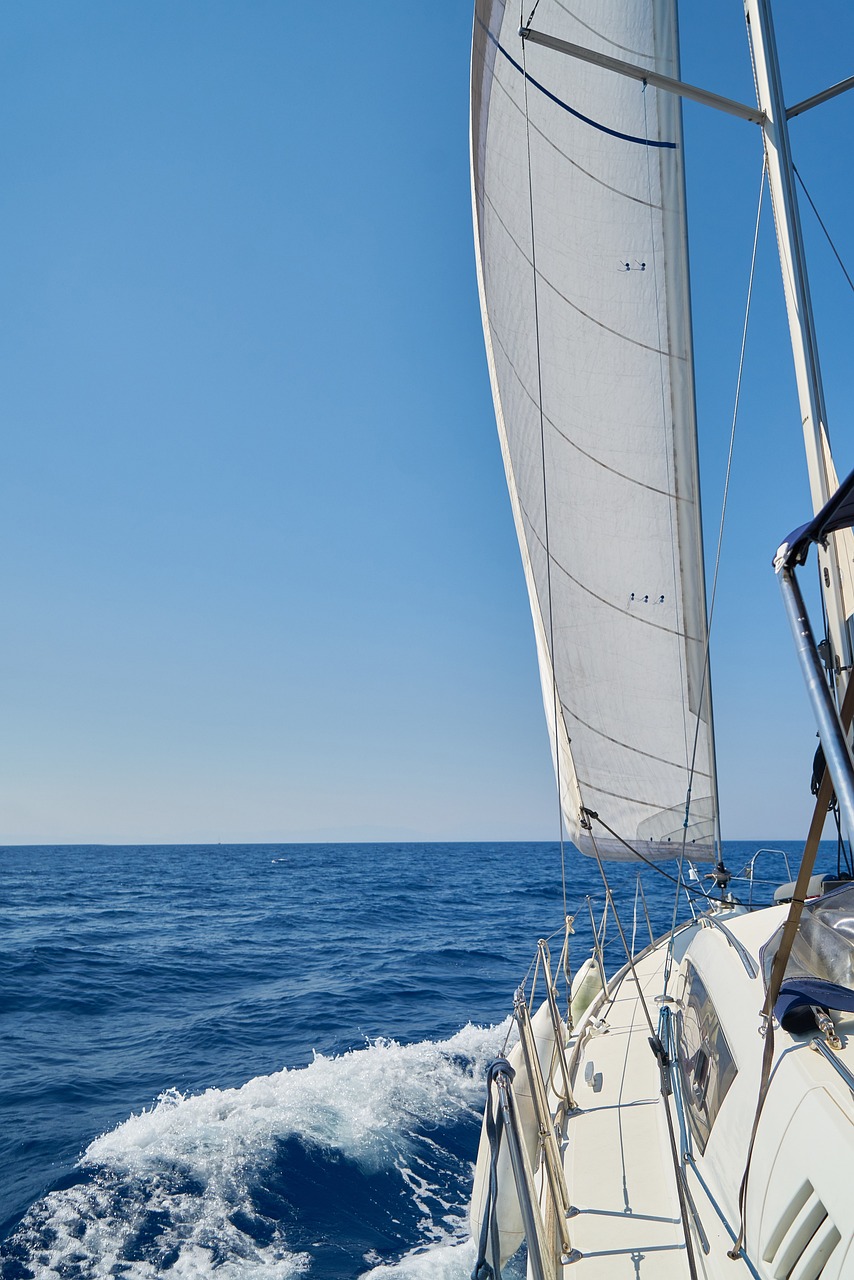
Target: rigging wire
{"points": [[609, 900], [836, 253], [527, 25], [789, 271], [718, 550], [691, 762], [556, 706], [735, 408]]}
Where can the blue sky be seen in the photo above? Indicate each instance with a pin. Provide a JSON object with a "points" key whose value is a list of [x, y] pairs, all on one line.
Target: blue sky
{"points": [[260, 579]]}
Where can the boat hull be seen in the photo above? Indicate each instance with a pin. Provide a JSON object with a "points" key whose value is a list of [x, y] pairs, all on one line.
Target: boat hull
{"points": [[628, 1217]]}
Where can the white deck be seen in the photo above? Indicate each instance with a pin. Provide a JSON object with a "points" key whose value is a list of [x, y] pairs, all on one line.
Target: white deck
{"points": [[628, 1222]]}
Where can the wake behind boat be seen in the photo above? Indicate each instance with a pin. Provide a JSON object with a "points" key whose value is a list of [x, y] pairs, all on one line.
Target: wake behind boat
{"points": [[693, 1114]]}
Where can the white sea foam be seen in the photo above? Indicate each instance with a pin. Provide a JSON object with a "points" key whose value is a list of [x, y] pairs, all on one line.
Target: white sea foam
{"points": [[164, 1186], [361, 1104], [451, 1260]]}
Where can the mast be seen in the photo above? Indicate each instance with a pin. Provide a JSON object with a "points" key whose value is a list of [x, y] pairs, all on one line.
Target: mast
{"points": [[781, 180], [836, 558]]}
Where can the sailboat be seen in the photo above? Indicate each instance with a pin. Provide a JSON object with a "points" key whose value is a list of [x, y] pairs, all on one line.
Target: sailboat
{"points": [[692, 1114]]}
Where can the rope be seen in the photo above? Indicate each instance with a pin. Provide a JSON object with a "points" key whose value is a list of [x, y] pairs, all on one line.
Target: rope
{"points": [[489, 1223], [555, 702], [774, 983]]}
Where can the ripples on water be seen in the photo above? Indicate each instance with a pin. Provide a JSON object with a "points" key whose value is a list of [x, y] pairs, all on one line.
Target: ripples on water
{"points": [[282, 1049]]}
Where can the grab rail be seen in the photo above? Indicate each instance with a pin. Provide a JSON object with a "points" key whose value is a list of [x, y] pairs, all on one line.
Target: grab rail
{"points": [[750, 965]]}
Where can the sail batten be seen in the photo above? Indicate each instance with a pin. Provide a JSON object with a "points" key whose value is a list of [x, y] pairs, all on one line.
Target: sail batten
{"points": [[582, 265]]}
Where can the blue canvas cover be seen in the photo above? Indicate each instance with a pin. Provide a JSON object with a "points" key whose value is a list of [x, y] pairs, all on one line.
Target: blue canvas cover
{"points": [[821, 967], [837, 513]]}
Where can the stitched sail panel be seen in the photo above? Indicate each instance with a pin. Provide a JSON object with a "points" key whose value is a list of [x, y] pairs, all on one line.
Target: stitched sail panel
{"points": [[593, 383]]}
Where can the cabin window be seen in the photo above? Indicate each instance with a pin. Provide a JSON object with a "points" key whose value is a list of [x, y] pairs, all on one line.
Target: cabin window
{"points": [[706, 1065]]}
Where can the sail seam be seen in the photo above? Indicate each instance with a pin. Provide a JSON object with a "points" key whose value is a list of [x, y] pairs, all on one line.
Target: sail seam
{"points": [[595, 124], [608, 603], [613, 44], [642, 484], [624, 337], [618, 191], [617, 795], [627, 746]]}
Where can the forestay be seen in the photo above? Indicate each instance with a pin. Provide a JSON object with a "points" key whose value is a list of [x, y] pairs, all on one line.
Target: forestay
{"points": [[592, 377]]}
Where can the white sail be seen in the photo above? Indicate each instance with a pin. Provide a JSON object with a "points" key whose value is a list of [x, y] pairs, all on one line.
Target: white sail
{"points": [[592, 376]]}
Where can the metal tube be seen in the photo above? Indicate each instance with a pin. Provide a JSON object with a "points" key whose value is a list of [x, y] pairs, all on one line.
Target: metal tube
{"points": [[781, 180], [554, 1013], [533, 1228], [655, 78], [597, 950], [820, 1047], [548, 1140], [837, 753], [646, 909], [835, 89]]}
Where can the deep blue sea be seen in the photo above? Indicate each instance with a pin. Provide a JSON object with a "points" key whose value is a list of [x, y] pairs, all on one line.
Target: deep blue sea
{"points": [[265, 1060]]}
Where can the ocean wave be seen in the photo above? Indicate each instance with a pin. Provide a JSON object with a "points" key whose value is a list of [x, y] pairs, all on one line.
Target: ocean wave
{"points": [[211, 1182], [450, 1260]]}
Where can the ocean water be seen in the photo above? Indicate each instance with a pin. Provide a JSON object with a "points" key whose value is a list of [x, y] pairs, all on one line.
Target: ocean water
{"points": [[266, 1060]]}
